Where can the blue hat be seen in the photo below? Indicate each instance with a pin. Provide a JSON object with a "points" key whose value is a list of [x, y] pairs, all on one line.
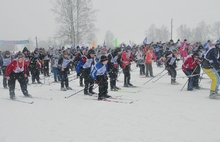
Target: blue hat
{"points": [[128, 47], [83, 48]]}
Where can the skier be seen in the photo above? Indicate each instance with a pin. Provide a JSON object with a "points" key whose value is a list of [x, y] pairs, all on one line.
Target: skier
{"points": [[54, 64], [1, 62], [170, 66], [35, 66], [210, 66], [189, 66], [99, 74], [6, 60], [81, 53], [140, 60], [63, 65], [126, 59], [16, 70], [113, 67], [148, 62], [84, 66], [27, 60], [198, 68]]}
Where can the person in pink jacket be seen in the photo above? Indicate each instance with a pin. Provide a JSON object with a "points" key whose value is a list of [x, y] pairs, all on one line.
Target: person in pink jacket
{"points": [[183, 50]]}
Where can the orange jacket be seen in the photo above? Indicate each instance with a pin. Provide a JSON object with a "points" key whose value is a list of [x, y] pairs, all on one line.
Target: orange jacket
{"points": [[149, 57]]}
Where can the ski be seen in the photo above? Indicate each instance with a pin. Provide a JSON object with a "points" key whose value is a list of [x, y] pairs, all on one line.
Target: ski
{"points": [[117, 101], [26, 102], [49, 99], [125, 91], [21, 101]]}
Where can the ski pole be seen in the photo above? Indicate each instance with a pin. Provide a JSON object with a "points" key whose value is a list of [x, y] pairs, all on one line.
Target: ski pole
{"points": [[160, 77], [80, 91], [154, 77]]}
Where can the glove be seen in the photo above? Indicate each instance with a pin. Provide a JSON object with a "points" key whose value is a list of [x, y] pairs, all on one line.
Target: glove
{"points": [[106, 77], [78, 74], [96, 81], [210, 61]]}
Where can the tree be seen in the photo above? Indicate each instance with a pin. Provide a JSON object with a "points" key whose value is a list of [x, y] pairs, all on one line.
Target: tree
{"points": [[201, 33], [215, 30], [155, 34], [151, 33], [76, 20], [109, 39], [183, 32]]}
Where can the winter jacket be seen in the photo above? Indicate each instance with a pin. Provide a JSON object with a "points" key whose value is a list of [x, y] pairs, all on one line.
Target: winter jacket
{"points": [[149, 57], [16, 67], [189, 63], [211, 58], [126, 59], [99, 70]]}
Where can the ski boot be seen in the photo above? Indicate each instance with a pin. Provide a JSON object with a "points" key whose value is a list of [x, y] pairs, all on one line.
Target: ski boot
{"points": [[69, 88], [213, 95]]}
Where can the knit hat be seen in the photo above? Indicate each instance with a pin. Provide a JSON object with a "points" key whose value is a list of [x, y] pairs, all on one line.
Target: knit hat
{"points": [[83, 48], [7, 52], [128, 47], [91, 51], [103, 58], [20, 55]]}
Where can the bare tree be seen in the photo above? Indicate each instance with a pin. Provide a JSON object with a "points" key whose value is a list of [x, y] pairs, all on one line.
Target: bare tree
{"points": [[109, 39], [155, 34], [201, 32], [183, 32], [151, 33], [215, 30], [76, 20]]}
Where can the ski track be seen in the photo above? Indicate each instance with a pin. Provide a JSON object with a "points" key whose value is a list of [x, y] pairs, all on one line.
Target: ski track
{"points": [[163, 113]]}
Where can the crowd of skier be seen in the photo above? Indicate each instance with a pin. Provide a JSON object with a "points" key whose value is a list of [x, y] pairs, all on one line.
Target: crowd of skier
{"points": [[96, 65]]}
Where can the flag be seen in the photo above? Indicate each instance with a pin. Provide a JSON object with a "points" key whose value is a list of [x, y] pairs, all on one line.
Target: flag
{"points": [[116, 42], [145, 40], [130, 42], [104, 45], [93, 44]]}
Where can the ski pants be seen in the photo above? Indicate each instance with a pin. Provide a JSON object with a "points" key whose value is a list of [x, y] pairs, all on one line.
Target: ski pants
{"points": [[214, 76], [21, 79], [88, 81], [103, 85], [127, 74], [5, 82], [113, 75], [190, 79], [35, 73], [149, 69], [64, 78]]}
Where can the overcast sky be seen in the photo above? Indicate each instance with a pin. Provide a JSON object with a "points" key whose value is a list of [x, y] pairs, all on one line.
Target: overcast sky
{"points": [[126, 19]]}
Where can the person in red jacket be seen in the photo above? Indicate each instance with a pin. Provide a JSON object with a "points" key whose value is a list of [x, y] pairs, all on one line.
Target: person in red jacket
{"points": [[148, 61], [16, 70], [126, 59], [189, 67]]}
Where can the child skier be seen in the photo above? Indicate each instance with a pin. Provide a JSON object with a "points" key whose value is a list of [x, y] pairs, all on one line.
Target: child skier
{"points": [[113, 62], [99, 74], [63, 64], [84, 66]]}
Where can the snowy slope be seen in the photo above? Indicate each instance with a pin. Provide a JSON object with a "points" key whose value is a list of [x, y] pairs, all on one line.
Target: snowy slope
{"points": [[160, 113]]}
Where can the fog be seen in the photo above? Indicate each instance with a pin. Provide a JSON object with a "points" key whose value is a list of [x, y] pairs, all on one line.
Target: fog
{"points": [[127, 20]]}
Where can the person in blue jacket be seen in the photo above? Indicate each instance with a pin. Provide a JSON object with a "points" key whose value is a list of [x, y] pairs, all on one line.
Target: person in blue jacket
{"points": [[99, 74], [84, 66]]}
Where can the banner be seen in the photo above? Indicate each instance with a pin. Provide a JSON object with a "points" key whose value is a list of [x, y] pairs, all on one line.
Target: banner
{"points": [[93, 44], [116, 42], [13, 42]]}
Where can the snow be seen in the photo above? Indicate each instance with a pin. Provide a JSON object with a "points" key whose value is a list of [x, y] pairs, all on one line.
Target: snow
{"points": [[160, 113]]}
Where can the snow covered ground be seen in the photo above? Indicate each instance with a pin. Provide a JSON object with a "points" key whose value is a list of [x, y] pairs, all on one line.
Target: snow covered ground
{"points": [[160, 113]]}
